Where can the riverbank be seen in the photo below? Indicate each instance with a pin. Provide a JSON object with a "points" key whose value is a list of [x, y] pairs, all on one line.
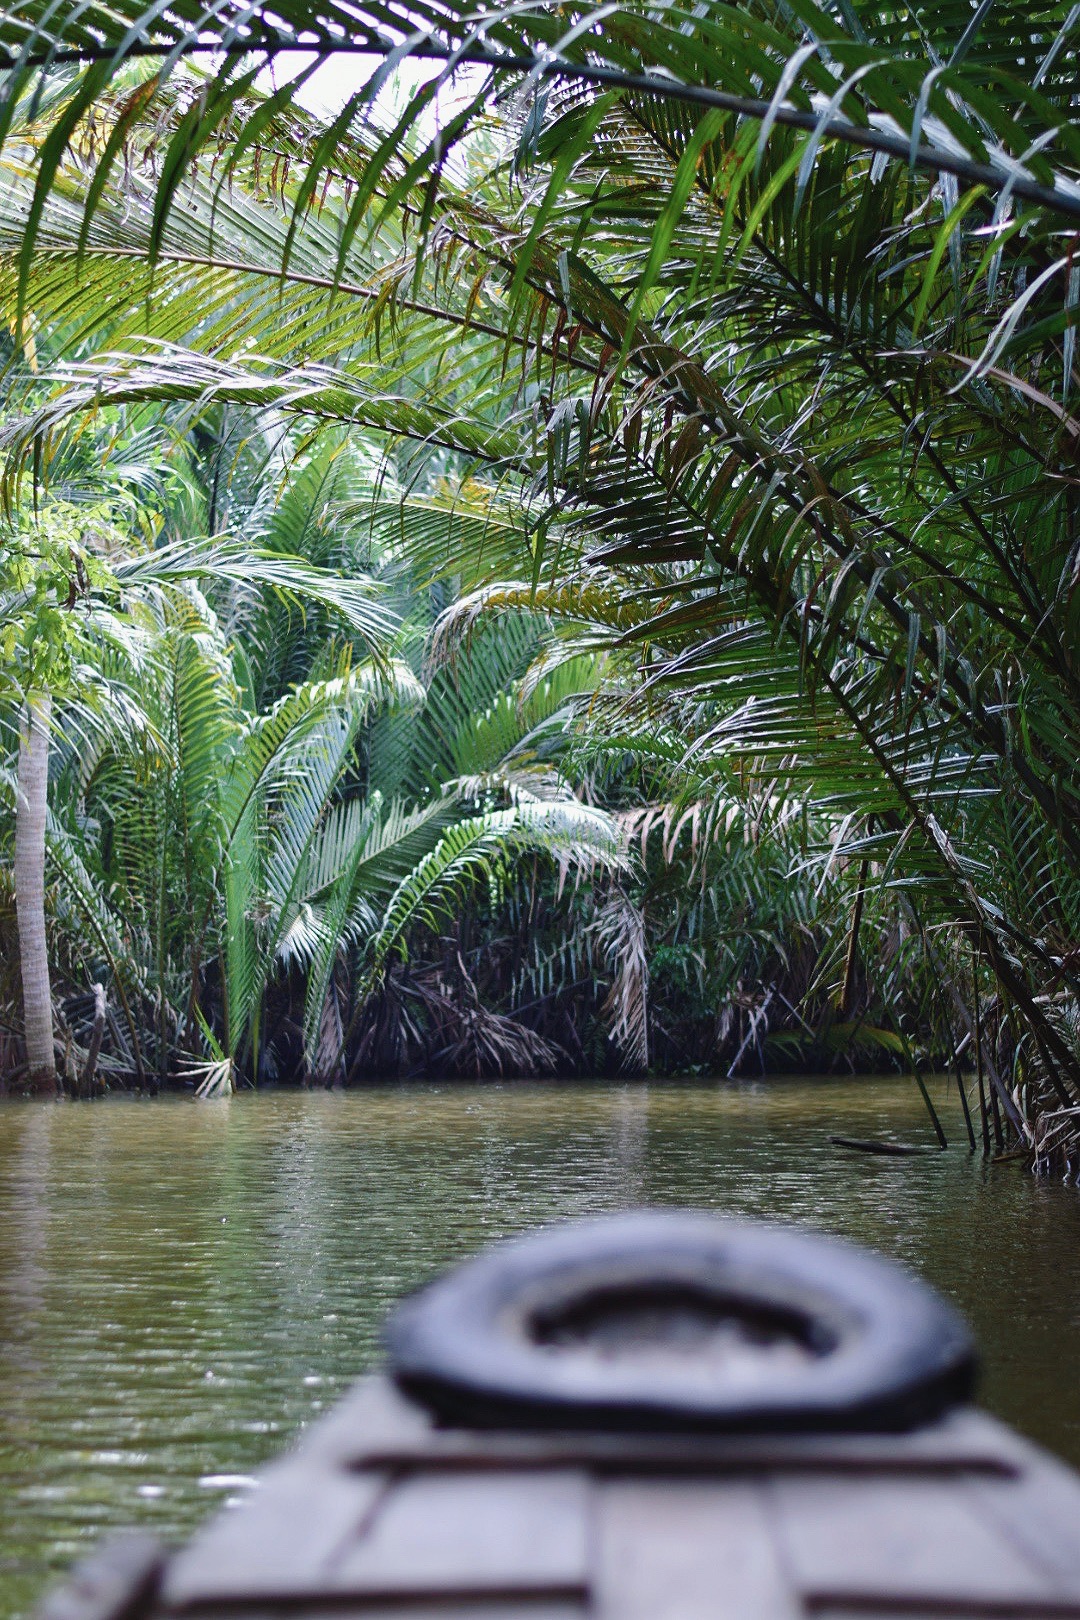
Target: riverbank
{"points": [[181, 1287]]}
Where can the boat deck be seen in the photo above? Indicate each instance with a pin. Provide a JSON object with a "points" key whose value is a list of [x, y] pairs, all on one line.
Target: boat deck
{"points": [[380, 1514]]}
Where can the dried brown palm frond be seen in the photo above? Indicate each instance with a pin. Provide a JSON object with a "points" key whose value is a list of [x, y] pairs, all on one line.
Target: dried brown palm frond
{"points": [[621, 939], [466, 1038]]}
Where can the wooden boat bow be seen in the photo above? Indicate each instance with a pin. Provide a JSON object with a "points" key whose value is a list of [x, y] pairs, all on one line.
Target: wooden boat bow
{"points": [[391, 1507]]}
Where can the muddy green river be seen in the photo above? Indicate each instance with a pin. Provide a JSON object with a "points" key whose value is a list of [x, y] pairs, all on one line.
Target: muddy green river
{"points": [[183, 1285]]}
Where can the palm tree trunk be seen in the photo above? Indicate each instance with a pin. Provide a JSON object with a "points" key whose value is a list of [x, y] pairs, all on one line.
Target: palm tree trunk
{"points": [[30, 813]]}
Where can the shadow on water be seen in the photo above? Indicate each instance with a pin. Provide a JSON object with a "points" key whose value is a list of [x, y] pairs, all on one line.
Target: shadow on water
{"points": [[183, 1286]]}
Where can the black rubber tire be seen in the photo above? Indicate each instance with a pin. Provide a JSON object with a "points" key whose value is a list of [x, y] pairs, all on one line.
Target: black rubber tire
{"points": [[884, 1352]]}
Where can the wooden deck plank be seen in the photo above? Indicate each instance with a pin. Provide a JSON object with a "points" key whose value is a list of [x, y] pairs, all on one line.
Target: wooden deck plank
{"points": [[279, 1543], [922, 1542], [114, 1582], [522, 1607], [373, 1415], [380, 1428], [1009, 1609], [1039, 1513], [682, 1550], [523, 1531]]}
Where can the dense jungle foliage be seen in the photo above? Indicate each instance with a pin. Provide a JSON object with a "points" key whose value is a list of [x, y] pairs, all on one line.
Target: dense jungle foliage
{"points": [[565, 559]]}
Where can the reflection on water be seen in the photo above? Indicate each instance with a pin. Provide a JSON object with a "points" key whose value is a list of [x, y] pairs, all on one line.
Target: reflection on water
{"points": [[183, 1285]]}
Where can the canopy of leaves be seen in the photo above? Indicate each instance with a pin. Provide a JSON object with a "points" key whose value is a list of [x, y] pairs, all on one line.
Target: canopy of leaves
{"points": [[755, 326]]}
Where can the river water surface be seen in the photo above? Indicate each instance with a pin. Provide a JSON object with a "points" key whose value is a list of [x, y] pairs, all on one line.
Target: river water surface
{"points": [[183, 1285]]}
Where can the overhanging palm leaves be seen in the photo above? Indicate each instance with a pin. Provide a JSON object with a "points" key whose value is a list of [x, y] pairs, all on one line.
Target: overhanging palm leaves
{"points": [[945, 88]]}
